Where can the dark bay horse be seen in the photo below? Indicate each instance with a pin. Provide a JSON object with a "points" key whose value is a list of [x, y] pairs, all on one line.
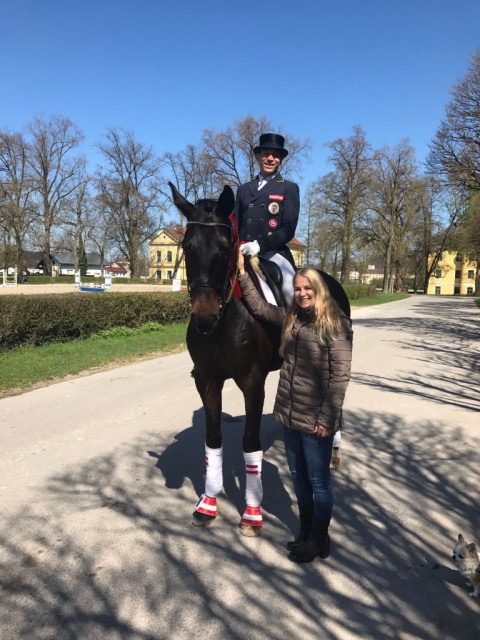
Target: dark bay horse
{"points": [[225, 341]]}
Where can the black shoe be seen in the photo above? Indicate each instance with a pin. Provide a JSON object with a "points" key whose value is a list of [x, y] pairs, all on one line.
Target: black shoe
{"points": [[317, 544], [306, 519]]}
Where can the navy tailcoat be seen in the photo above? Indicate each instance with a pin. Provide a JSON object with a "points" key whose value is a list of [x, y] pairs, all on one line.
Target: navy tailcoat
{"points": [[269, 216]]}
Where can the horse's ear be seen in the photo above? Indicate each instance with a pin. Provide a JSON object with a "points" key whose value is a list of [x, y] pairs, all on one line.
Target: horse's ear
{"points": [[226, 202], [186, 207]]}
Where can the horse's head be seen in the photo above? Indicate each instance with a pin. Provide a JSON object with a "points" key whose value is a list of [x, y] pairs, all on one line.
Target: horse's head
{"points": [[208, 248]]}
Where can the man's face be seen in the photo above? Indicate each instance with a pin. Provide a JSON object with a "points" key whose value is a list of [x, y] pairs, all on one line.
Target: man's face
{"points": [[268, 160]]}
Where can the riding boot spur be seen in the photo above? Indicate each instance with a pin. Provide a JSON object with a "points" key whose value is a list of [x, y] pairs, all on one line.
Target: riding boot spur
{"points": [[306, 518], [253, 490], [206, 508], [317, 544]]}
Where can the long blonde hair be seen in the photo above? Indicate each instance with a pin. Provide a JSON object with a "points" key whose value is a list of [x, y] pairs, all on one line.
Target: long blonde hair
{"points": [[324, 313]]}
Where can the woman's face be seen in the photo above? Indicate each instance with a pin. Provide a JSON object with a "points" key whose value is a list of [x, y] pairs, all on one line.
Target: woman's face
{"points": [[303, 292]]}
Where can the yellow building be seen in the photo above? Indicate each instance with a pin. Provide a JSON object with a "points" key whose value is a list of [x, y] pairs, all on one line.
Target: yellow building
{"points": [[165, 246], [165, 249], [454, 274]]}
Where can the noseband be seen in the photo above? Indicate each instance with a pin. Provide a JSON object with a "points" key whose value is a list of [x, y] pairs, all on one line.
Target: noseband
{"points": [[225, 289]]}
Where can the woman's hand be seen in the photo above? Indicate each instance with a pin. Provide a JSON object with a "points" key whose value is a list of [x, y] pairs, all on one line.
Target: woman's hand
{"points": [[321, 432], [241, 262]]}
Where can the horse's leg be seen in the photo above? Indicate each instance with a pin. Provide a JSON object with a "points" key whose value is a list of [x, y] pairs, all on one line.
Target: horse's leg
{"points": [[206, 507], [254, 394]]}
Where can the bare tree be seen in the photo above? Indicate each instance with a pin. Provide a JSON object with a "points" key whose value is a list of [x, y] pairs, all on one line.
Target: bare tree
{"points": [[76, 219], [98, 228], [467, 231], [231, 151], [16, 190], [128, 187], [56, 173], [455, 150], [342, 193], [191, 171], [392, 206]]}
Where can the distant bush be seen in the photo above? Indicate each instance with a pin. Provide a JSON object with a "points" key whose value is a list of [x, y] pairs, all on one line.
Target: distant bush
{"points": [[44, 318], [34, 278], [355, 291]]}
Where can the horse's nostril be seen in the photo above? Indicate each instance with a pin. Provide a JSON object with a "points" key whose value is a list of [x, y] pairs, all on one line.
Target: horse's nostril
{"points": [[205, 324]]}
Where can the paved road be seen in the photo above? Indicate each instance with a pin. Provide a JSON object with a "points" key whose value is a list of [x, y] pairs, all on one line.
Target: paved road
{"points": [[99, 475]]}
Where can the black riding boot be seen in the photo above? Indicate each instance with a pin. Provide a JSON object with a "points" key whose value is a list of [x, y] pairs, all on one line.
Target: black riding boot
{"points": [[306, 519], [317, 544]]}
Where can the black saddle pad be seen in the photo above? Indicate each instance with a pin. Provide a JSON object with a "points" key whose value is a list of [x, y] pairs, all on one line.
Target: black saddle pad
{"points": [[273, 277]]}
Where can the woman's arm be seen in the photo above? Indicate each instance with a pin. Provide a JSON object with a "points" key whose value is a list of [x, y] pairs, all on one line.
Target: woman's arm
{"points": [[257, 306]]}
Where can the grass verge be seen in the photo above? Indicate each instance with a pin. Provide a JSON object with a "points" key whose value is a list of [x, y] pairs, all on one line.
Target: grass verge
{"points": [[29, 367], [379, 298]]}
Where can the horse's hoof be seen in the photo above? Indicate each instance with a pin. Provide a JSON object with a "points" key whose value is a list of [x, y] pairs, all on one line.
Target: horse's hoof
{"points": [[201, 519], [250, 532]]}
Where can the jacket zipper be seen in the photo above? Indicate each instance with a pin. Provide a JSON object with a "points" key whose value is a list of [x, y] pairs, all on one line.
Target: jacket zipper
{"points": [[293, 374]]}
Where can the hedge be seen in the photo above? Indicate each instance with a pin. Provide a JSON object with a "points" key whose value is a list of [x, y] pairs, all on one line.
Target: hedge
{"points": [[40, 319], [43, 318], [40, 279]]}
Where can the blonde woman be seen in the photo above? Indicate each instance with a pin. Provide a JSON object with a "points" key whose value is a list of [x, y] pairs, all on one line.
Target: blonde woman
{"points": [[317, 351]]}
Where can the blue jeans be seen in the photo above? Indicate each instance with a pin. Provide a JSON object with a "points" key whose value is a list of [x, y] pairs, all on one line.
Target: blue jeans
{"points": [[308, 459]]}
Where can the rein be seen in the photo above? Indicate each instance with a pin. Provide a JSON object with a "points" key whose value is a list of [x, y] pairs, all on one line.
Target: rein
{"points": [[230, 276]]}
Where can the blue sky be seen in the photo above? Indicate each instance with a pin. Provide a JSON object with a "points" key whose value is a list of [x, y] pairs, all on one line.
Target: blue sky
{"points": [[168, 70]]}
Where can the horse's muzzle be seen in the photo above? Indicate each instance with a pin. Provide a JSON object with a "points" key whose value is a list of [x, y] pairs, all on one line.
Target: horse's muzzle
{"points": [[205, 324], [206, 310]]}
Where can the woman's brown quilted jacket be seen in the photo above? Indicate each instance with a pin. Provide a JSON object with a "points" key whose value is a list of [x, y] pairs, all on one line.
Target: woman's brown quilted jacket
{"points": [[313, 377]]}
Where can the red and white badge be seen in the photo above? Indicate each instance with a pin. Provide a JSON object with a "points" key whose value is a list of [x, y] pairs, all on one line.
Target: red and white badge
{"points": [[273, 223], [274, 196]]}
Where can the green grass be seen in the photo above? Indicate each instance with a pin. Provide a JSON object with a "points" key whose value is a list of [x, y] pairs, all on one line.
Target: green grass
{"points": [[28, 367], [379, 298]]}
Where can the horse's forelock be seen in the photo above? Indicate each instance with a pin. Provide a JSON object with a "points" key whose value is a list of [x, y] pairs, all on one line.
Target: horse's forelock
{"points": [[206, 210]]}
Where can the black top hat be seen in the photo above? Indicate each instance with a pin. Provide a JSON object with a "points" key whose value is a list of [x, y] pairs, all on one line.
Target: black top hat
{"points": [[271, 141]]}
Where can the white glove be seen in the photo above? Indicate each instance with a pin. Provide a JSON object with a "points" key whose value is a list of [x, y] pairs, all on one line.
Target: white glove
{"points": [[251, 249]]}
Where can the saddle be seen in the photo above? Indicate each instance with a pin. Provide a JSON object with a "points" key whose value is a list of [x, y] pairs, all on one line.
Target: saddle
{"points": [[271, 274]]}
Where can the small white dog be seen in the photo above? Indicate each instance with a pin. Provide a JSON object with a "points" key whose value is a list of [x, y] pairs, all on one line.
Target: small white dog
{"points": [[467, 560]]}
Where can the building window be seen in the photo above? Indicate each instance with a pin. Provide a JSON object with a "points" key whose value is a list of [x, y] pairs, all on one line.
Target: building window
{"points": [[458, 274], [471, 274], [437, 291], [458, 257], [169, 256], [169, 275], [456, 291], [469, 291], [438, 273], [159, 256], [440, 257], [158, 274]]}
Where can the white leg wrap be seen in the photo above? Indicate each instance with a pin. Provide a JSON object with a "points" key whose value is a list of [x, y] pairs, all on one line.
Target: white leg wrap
{"points": [[253, 472], [214, 473]]}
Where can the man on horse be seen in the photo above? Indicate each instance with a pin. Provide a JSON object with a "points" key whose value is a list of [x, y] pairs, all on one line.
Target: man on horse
{"points": [[267, 209]]}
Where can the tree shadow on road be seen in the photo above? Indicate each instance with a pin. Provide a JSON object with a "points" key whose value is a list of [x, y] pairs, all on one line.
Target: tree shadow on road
{"points": [[108, 550]]}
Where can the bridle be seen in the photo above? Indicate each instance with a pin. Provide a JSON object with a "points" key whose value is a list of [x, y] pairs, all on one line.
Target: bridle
{"points": [[226, 288]]}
